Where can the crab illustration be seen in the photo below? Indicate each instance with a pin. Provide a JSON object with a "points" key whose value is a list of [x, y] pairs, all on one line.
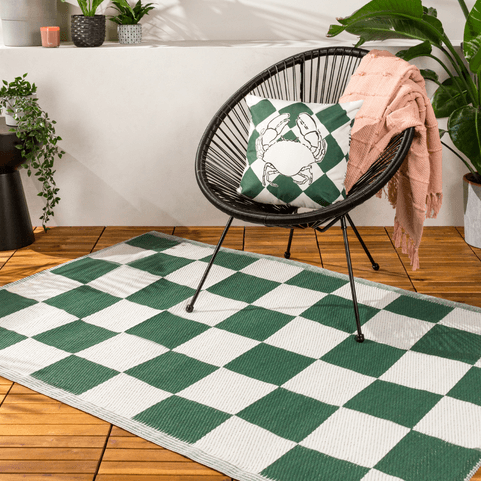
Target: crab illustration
{"points": [[288, 157]]}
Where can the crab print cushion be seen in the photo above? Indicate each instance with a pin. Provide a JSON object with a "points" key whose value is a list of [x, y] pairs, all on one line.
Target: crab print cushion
{"points": [[297, 152]]}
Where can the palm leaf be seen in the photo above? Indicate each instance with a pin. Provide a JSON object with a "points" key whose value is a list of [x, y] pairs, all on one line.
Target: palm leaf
{"points": [[429, 74], [375, 8], [472, 38], [390, 26], [463, 125], [448, 98], [385, 19], [419, 50]]}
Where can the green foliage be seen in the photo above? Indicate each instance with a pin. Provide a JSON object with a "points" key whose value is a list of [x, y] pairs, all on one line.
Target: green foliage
{"points": [[458, 97], [18, 88], [39, 142], [88, 7], [128, 15]]}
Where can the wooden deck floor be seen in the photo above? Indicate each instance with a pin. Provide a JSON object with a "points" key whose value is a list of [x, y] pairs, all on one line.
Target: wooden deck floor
{"points": [[42, 438]]}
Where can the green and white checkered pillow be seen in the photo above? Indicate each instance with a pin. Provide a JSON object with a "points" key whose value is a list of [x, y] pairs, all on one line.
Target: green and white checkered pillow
{"points": [[297, 152]]}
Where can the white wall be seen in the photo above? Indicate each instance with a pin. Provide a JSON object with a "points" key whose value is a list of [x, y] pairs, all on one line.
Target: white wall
{"points": [[131, 116]]}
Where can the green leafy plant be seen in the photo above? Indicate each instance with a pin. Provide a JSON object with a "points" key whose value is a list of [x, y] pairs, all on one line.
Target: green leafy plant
{"points": [[128, 15], [88, 7], [459, 96], [39, 142]]}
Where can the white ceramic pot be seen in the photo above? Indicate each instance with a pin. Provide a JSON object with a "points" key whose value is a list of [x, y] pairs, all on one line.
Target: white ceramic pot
{"points": [[472, 210], [10, 118], [22, 19], [129, 34]]}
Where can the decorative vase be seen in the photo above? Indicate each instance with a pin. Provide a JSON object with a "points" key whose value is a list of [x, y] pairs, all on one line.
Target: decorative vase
{"points": [[22, 19], [472, 210], [88, 31], [130, 33]]}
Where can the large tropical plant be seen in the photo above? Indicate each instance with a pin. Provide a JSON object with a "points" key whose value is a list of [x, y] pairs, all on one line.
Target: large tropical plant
{"points": [[459, 96]]}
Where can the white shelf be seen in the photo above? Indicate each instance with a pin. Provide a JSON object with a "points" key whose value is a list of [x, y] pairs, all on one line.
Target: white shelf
{"points": [[401, 43]]}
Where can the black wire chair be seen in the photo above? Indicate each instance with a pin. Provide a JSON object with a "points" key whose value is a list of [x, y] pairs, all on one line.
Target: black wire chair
{"points": [[319, 76]]}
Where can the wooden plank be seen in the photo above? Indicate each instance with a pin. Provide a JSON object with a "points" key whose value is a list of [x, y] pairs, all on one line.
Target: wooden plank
{"points": [[55, 430], [142, 455], [154, 468], [129, 442], [4, 388], [161, 477], [52, 441], [47, 467], [50, 453], [448, 266], [116, 431], [273, 241], [18, 389], [42, 477], [5, 256], [35, 408], [61, 240], [49, 418], [28, 398], [391, 272], [476, 250], [211, 235]]}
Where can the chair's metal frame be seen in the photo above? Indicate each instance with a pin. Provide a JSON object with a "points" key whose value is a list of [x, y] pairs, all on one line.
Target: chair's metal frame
{"points": [[319, 76]]}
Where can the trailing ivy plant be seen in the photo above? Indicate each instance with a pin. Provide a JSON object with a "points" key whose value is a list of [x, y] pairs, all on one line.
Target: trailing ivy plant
{"points": [[38, 140], [128, 15], [88, 7], [458, 97]]}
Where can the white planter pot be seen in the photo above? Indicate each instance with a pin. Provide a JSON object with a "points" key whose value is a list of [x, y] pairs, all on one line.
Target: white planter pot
{"points": [[472, 211], [10, 118], [129, 33], [22, 19]]}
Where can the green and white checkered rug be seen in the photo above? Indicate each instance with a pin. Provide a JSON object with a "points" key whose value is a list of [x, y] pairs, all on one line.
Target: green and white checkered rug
{"points": [[264, 380]]}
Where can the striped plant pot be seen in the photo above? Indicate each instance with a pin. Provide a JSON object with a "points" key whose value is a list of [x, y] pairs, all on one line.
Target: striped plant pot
{"points": [[130, 33]]}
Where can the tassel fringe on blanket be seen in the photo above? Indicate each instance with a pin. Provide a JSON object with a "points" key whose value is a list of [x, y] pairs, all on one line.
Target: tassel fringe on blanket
{"points": [[395, 99], [400, 237]]}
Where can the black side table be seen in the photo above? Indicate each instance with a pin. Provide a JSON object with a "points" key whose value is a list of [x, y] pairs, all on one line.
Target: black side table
{"points": [[15, 225]]}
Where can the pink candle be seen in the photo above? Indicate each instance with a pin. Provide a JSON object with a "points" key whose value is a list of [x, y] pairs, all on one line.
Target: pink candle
{"points": [[50, 36]]}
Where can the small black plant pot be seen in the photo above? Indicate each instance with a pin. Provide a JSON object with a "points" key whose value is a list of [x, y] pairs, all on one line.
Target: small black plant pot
{"points": [[88, 31]]}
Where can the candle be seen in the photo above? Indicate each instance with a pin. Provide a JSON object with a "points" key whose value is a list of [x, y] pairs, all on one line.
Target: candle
{"points": [[50, 36]]}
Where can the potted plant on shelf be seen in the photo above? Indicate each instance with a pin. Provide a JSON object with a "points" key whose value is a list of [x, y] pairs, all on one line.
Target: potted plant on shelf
{"points": [[88, 29], [127, 19], [458, 97], [38, 140]]}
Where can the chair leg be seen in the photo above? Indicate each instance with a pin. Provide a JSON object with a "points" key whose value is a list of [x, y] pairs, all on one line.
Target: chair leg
{"points": [[360, 335], [190, 306], [374, 264], [287, 254]]}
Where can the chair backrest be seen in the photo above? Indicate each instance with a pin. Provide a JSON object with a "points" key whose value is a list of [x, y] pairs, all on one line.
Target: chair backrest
{"points": [[319, 76]]}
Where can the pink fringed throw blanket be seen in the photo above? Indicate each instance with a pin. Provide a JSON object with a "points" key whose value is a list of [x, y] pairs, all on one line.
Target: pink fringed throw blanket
{"points": [[395, 98]]}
